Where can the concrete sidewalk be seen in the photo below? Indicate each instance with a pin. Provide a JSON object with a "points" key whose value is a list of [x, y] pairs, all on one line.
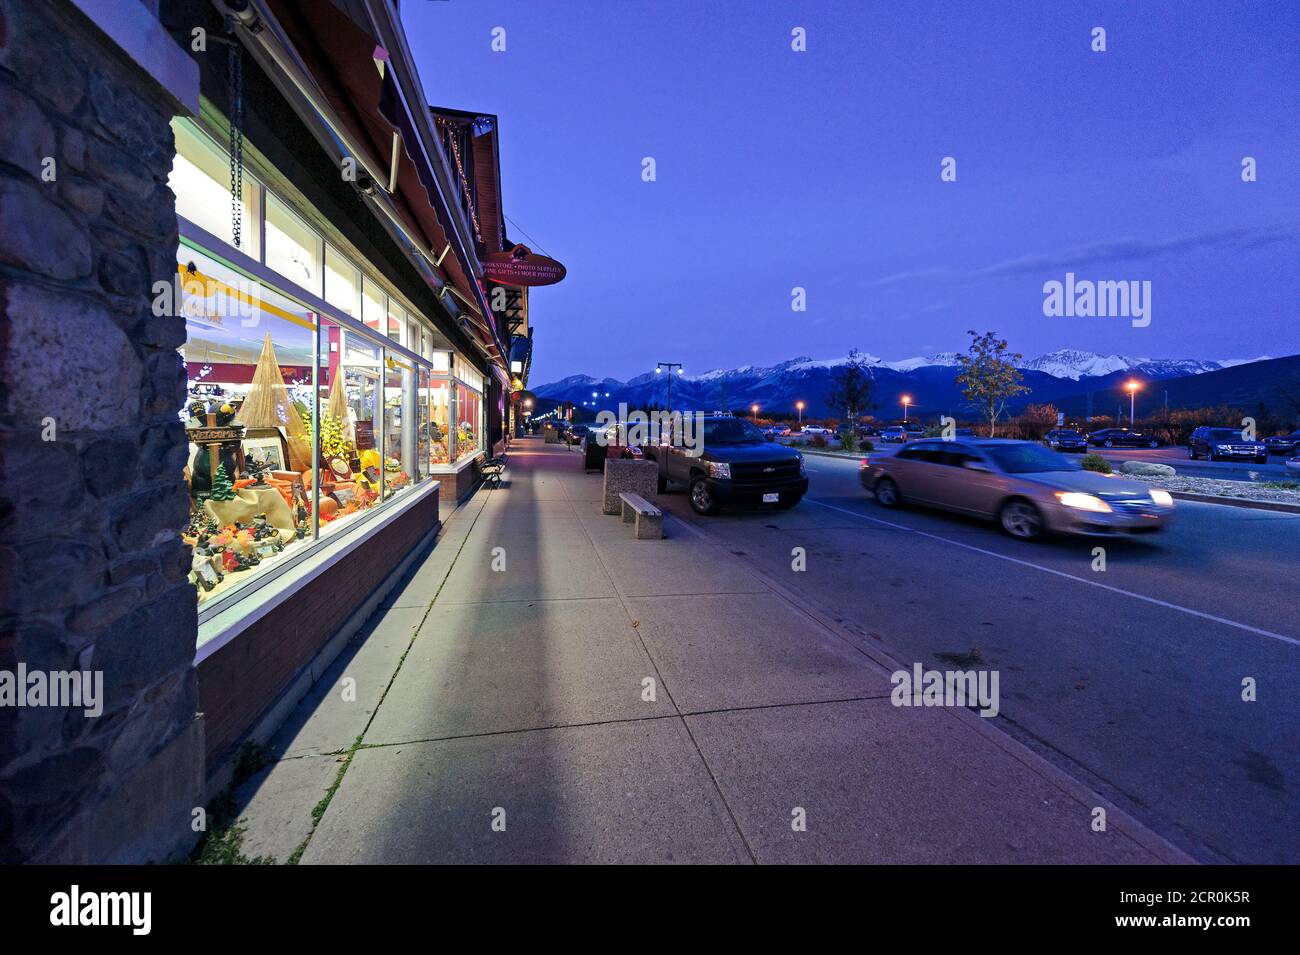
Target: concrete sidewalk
{"points": [[603, 699]]}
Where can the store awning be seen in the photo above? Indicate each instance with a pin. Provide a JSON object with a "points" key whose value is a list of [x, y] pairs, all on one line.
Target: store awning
{"points": [[345, 62]]}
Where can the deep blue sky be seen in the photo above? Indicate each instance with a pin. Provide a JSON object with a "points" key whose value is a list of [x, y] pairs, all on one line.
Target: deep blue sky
{"points": [[821, 169]]}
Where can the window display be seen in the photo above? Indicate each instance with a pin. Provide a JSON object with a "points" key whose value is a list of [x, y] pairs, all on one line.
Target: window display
{"points": [[303, 418]]}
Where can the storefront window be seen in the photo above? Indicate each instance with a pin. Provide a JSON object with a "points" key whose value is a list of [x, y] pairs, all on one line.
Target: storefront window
{"points": [[399, 426], [292, 247], [469, 411], [248, 362], [342, 281], [349, 407], [396, 320], [200, 179], [439, 421], [373, 304]]}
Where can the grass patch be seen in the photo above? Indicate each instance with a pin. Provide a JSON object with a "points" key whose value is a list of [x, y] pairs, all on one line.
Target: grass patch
{"points": [[1281, 485]]}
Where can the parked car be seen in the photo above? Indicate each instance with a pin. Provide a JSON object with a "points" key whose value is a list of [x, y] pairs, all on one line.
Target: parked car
{"points": [[1283, 443], [1122, 438], [1065, 439], [736, 465], [895, 435], [1225, 444], [780, 430], [814, 429], [1293, 464], [575, 433], [1029, 489], [868, 431], [964, 433]]}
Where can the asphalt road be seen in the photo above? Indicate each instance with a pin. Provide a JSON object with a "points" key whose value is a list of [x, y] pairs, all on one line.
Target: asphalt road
{"points": [[1130, 678]]}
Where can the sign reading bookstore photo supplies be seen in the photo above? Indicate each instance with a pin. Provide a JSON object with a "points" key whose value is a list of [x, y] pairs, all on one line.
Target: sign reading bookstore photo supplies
{"points": [[519, 266]]}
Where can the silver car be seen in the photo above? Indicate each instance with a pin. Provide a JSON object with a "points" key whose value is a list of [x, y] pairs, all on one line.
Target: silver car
{"points": [[1029, 489]]}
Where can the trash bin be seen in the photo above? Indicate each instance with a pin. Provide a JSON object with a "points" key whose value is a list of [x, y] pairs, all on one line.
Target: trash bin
{"points": [[593, 454]]}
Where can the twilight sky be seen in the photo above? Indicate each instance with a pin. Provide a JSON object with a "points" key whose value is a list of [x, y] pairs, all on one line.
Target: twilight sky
{"points": [[821, 169]]}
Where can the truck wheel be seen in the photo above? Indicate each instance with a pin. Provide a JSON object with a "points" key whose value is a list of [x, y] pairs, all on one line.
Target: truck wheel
{"points": [[701, 498]]}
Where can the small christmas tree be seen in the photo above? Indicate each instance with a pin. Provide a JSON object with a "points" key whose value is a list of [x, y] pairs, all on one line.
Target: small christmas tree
{"points": [[222, 488]]}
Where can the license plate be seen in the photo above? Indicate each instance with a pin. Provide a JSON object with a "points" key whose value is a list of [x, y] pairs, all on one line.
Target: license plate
{"points": [[771, 498]]}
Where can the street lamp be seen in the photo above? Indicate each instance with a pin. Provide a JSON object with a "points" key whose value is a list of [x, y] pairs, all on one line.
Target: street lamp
{"points": [[670, 365], [1131, 388], [799, 405], [754, 410], [907, 400]]}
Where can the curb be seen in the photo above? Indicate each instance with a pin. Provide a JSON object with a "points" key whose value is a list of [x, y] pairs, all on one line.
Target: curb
{"points": [[1160, 848], [1237, 502]]}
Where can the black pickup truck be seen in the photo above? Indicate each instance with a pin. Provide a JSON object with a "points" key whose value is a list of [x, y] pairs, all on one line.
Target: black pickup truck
{"points": [[737, 465]]}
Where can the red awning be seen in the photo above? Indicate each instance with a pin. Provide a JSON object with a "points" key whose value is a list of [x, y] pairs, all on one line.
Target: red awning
{"points": [[341, 59]]}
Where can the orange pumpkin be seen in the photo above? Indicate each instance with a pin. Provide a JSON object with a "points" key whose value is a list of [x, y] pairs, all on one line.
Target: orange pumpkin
{"points": [[329, 508]]}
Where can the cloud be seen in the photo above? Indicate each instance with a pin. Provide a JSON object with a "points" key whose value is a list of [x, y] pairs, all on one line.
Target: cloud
{"points": [[1124, 250]]}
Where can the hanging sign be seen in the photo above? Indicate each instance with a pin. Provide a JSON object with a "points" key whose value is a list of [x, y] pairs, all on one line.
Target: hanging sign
{"points": [[519, 266]]}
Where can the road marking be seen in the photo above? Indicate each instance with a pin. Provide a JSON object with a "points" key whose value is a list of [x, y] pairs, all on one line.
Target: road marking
{"points": [[1060, 573]]}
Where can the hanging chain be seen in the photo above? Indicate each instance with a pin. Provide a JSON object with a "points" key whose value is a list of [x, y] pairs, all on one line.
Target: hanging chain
{"points": [[235, 73]]}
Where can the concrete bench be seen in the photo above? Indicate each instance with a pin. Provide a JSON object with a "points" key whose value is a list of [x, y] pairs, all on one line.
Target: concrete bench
{"points": [[648, 518]]}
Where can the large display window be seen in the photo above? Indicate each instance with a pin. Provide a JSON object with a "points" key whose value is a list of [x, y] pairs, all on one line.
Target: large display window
{"points": [[315, 396]]}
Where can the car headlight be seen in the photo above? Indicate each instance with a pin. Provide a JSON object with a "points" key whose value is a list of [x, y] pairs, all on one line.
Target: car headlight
{"points": [[719, 469], [1163, 498], [1223, 447], [802, 470], [1084, 502]]}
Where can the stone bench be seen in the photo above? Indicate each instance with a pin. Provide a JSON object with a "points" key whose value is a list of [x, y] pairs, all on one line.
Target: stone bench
{"points": [[649, 520]]}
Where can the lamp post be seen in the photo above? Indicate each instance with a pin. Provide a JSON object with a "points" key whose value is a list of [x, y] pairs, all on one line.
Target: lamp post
{"points": [[753, 409], [1131, 388], [799, 406], [907, 400], [670, 365]]}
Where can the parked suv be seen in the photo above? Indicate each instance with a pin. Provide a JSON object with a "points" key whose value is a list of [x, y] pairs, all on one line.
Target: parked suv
{"points": [[1122, 438], [737, 465], [1065, 439], [1225, 444], [896, 434]]}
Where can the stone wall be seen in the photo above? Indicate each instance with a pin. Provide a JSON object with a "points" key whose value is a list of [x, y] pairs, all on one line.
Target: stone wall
{"points": [[92, 571]]}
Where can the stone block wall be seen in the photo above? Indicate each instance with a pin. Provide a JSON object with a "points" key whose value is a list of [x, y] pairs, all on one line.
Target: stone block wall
{"points": [[92, 570]]}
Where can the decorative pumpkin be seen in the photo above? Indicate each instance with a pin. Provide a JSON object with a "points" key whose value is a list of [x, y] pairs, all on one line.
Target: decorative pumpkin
{"points": [[329, 509]]}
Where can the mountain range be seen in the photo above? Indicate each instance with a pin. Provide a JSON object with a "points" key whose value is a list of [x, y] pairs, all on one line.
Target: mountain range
{"points": [[1076, 381]]}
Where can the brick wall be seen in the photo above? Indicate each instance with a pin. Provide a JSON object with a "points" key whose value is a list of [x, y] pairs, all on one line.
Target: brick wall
{"points": [[92, 571]]}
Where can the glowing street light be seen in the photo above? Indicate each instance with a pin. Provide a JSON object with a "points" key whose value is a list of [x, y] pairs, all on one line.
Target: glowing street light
{"points": [[754, 410], [799, 405], [906, 400], [1132, 389]]}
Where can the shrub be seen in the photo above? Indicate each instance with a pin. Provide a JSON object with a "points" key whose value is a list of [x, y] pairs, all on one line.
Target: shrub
{"points": [[818, 441], [865, 445], [849, 441], [1095, 462]]}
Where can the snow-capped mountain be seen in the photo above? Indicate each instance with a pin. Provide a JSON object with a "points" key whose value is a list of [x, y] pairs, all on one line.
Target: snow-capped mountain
{"points": [[930, 380]]}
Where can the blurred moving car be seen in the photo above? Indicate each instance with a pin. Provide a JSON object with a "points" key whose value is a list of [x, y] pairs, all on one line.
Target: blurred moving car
{"points": [[1065, 439], [1028, 489], [1225, 444], [1293, 464], [1283, 443], [1122, 438]]}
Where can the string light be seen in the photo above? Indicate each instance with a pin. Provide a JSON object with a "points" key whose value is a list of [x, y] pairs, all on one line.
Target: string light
{"points": [[460, 172]]}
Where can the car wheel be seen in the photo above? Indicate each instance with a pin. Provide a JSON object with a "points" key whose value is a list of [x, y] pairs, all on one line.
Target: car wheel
{"points": [[1212, 456], [1021, 520], [887, 493], [663, 484], [1153, 444], [701, 498], [1191, 454], [1109, 443]]}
